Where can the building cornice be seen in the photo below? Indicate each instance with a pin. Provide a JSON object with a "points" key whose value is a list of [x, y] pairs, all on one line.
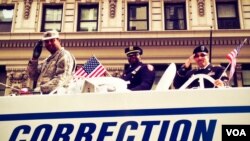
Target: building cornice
{"points": [[114, 39]]}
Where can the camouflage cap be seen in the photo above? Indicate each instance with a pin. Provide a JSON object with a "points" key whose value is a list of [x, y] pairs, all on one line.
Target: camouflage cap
{"points": [[50, 35]]}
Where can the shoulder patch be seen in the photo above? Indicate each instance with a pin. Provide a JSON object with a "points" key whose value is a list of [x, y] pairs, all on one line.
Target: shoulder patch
{"points": [[150, 67]]}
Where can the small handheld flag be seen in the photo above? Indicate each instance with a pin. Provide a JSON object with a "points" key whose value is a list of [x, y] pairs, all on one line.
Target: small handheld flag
{"points": [[232, 58], [92, 68]]}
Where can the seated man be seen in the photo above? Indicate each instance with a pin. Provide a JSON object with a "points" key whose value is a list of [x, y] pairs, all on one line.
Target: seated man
{"points": [[54, 71], [139, 75], [200, 57]]}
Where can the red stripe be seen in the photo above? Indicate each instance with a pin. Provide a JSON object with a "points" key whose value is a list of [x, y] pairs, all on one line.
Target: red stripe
{"points": [[95, 72], [101, 72], [232, 55], [78, 71]]}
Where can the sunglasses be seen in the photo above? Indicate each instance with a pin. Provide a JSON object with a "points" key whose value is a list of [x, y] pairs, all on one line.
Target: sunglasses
{"points": [[200, 55]]}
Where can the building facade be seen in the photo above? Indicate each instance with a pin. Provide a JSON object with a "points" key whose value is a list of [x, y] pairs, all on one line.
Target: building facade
{"points": [[167, 30]]}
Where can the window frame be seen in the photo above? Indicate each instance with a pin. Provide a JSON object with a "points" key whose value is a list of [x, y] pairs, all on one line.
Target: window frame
{"points": [[7, 22], [245, 67], [183, 5], [79, 21], [147, 16], [44, 22], [221, 21]]}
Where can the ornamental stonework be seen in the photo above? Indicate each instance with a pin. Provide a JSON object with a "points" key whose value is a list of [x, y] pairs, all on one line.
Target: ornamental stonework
{"points": [[27, 8], [201, 7], [112, 8], [16, 79]]}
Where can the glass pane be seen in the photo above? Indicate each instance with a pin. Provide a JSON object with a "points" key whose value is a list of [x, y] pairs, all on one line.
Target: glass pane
{"points": [[138, 25], [89, 14], [180, 13], [181, 24], [51, 26], [5, 27], [88, 26], [170, 24], [6, 15], [246, 77], [169, 12], [226, 11], [138, 12], [53, 14]]}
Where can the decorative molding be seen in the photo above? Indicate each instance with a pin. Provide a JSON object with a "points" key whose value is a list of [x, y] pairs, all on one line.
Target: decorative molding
{"points": [[16, 78], [128, 42], [112, 8], [201, 7], [27, 7], [4, 1]]}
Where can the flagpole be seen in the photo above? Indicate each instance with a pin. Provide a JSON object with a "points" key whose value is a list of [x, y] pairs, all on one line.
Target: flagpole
{"points": [[210, 45], [225, 70]]}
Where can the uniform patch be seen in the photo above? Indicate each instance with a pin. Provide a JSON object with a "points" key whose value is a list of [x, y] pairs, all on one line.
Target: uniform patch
{"points": [[150, 67], [211, 73]]}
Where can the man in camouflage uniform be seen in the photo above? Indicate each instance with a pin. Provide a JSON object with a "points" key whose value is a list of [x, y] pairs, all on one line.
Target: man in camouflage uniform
{"points": [[54, 71], [140, 76], [200, 57]]}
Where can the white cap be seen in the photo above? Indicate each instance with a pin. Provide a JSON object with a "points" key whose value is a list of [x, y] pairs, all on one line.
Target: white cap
{"points": [[50, 35]]}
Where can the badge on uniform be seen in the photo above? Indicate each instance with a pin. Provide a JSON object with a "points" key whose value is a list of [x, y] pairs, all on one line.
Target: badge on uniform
{"points": [[150, 67], [211, 73]]}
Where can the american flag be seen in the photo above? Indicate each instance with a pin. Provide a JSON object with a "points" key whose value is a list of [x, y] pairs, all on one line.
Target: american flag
{"points": [[92, 68], [232, 58]]}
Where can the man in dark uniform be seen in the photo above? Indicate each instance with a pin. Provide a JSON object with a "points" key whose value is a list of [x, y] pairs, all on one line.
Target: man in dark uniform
{"points": [[140, 76], [200, 57]]}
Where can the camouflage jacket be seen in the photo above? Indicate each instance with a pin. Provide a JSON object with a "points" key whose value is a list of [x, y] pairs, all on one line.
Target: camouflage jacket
{"points": [[54, 71]]}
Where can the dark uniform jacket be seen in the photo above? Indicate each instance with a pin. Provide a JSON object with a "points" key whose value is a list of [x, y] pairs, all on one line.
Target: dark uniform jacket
{"points": [[184, 74], [140, 76]]}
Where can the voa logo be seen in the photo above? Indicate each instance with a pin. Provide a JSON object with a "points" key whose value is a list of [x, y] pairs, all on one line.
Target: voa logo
{"points": [[236, 132]]}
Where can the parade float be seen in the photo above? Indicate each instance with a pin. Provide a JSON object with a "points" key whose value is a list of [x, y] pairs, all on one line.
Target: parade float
{"points": [[103, 109]]}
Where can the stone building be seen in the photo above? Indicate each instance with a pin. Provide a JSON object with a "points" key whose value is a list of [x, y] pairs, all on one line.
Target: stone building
{"points": [[167, 30]]}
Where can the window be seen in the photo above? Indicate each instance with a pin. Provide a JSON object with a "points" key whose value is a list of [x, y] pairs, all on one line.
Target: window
{"points": [[233, 81], [6, 16], [52, 17], [175, 18], [227, 15], [246, 75], [87, 18], [137, 17]]}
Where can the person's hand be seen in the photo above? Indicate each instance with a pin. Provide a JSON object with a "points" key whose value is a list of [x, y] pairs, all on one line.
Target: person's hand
{"points": [[218, 83], [37, 50], [189, 61]]}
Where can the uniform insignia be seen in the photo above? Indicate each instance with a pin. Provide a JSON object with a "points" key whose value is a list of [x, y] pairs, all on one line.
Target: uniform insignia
{"points": [[150, 67], [202, 48], [211, 73], [131, 48]]}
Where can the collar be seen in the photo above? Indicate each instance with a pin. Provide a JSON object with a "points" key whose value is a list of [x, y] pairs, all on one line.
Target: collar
{"points": [[55, 54], [208, 65], [135, 65]]}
